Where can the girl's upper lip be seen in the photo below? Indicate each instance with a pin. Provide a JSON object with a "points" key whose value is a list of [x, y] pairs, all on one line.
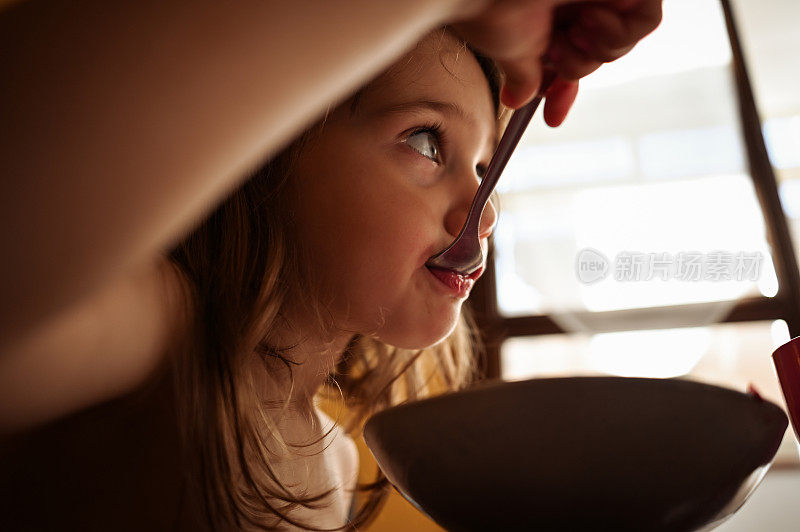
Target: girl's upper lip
{"points": [[477, 273], [474, 275]]}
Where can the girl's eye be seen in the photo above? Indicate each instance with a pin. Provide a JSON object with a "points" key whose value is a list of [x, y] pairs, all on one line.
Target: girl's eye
{"points": [[426, 143]]}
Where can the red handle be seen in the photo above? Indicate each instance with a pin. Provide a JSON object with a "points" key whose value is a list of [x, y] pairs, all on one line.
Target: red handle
{"points": [[787, 365]]}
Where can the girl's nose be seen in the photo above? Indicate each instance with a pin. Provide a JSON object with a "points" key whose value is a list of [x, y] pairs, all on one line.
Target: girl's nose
{"points": [[457, 215]]}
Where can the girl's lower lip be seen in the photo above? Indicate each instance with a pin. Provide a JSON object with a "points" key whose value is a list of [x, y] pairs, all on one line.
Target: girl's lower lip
{"points": [[457, 284]]}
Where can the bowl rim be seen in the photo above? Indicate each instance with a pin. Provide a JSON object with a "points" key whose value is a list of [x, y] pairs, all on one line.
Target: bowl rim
{"points": [[489, 385]]}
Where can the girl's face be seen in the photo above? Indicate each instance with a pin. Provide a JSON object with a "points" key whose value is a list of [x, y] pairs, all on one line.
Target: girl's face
{"points": [[387, 184]]}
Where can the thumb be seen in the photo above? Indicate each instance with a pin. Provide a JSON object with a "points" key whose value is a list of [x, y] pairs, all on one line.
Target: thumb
{"points": [[522, 80]]}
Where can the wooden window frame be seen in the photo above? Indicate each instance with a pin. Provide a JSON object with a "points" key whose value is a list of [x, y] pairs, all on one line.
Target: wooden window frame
{"points": [[495, 328]]}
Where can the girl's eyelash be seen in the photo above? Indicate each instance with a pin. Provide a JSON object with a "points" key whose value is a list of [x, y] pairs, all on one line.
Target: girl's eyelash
{"points": [[435, 129]]}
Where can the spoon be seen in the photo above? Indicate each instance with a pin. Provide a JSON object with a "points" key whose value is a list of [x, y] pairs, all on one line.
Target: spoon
{"points": [[465, 256]]}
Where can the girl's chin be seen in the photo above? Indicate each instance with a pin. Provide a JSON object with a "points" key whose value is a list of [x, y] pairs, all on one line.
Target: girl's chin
{"points": [[424, 335]]}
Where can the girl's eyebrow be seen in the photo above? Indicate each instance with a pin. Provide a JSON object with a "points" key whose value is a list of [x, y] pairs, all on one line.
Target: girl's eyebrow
{"points": [[445, 108]]}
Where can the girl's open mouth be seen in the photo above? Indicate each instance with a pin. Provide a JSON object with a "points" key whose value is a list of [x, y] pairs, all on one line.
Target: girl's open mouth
{"points": [[457, 283]]}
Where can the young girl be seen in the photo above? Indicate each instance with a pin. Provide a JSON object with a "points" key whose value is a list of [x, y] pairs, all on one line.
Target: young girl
{"points": [[314, 273], [309, 277]]}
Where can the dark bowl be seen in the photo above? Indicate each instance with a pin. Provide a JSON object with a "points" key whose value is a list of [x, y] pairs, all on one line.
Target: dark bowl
{"points": [[579, 453]]}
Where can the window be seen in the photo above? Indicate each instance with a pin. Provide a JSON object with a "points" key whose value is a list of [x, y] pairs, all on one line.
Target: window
{"points": [[602, 218]]}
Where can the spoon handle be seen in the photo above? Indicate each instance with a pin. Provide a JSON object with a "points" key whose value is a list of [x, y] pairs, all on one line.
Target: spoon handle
{"points": [[516, 127]]}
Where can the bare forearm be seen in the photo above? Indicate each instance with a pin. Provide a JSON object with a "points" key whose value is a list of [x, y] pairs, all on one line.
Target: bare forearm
{"points": [[125, 122], [101, 348]]}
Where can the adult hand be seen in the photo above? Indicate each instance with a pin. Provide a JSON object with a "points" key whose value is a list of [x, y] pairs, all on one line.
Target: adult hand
{"points": [[572, 37]]}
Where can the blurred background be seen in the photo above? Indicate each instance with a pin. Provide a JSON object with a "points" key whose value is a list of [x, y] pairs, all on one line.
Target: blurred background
{"points": [[655, 160], [652, 160]]}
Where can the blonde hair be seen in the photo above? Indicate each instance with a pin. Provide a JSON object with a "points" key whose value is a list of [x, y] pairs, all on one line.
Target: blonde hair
{"points": [[240, 268]]}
